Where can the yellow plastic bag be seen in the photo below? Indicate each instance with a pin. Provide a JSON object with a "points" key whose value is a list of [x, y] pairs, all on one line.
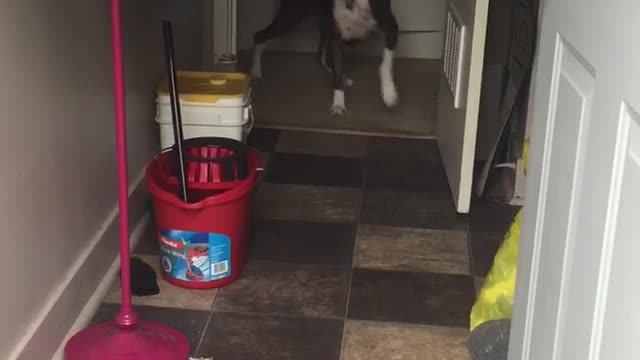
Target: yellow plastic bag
{"points": [[495, 300]]}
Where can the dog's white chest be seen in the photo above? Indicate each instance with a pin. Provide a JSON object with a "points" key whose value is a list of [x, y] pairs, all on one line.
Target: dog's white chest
{"points": [[355, 23]]}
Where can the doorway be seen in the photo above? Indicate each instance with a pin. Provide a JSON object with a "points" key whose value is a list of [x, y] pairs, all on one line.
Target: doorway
{"points": [[294, 92]]}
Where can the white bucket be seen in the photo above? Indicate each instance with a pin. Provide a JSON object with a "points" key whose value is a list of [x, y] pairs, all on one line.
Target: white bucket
{"points": [[228, 116]]}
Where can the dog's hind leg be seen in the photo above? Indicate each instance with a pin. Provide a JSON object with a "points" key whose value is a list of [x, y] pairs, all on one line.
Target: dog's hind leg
{"points": [[338, 107], [389, 25], [289, 15]]}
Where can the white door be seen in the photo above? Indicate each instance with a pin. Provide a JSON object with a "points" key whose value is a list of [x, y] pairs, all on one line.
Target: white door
{"points": [[578, 285], [459, 97]]}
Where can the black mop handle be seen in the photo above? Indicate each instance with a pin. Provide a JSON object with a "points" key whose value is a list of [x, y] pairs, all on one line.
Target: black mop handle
{"points": [[175, 108]]}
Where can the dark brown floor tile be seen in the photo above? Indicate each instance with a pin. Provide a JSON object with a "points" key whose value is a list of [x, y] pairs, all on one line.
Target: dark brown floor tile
{"points": [[303, 242], [190, 323], [398, 173], [264, 337], [265, 157], [262, 139], [308, 203], [407, 208], [374, 340], [484, 246], [410, 249], [405, 163], [487, 216], [286, 289], [403, 150], [302, 169], [419, 298], [317, 143]]}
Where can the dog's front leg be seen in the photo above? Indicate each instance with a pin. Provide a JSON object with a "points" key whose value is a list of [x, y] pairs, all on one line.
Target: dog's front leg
{"points": [[338, 107], [387, 84], [389, 27], [324, 51]]}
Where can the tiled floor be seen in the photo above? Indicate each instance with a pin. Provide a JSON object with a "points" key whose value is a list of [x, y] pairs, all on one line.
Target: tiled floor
{"points": [[357, 253]]}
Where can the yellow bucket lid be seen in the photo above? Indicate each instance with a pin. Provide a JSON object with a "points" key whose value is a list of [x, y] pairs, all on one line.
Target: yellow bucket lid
{"points": [[207, 87]]}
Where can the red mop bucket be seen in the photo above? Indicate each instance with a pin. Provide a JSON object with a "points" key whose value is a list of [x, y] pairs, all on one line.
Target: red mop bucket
{"points": [[203, 243]]}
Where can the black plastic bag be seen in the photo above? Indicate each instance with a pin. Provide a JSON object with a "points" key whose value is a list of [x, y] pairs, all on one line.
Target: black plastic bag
{"points": [[490, 340]]}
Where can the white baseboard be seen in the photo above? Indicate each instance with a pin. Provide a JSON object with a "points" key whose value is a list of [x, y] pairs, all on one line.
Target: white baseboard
{"points": [[103, 287], [72, 299]]}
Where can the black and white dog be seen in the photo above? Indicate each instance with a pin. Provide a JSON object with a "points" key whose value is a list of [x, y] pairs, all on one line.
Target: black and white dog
{"points": [[340, 21]]}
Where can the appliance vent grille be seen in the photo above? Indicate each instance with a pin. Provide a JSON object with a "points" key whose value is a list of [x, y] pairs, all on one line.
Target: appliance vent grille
{"points": [[454, 47]]}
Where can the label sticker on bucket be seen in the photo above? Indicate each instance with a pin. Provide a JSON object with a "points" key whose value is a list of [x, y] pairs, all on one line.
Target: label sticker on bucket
{"points": [[195, 257]]}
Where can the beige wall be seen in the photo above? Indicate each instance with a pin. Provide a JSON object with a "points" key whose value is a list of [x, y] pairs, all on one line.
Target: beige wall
{"points": [[57, 145]]}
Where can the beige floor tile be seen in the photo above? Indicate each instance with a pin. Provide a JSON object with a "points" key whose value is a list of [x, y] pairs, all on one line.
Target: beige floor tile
{"points": [[383, 341], [317, 291], [410, 249]]}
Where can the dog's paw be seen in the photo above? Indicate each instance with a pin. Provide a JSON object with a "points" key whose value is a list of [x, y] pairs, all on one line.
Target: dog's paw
{"points": [[390, 100], [389, 95], [338, 107], [338, 110]]}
